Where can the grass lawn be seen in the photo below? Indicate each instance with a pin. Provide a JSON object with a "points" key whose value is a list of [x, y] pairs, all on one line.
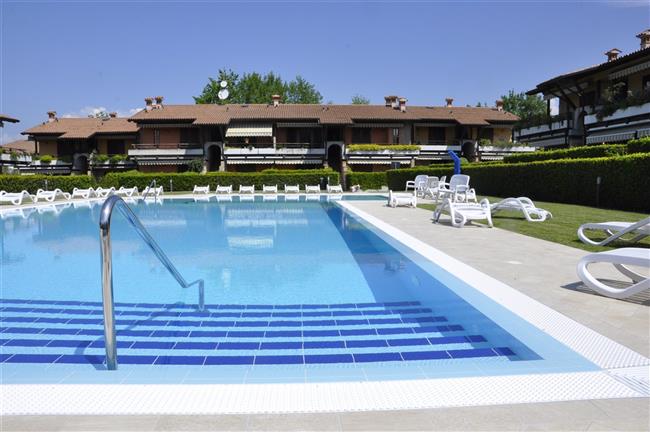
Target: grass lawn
{"points": [[563, 227]]}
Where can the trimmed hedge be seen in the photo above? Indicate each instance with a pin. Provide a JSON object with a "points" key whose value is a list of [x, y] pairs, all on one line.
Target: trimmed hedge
{"points": [[625, 182], [572, 153], [186, 181], [380, 147], [31, 183], [367, 180], [641, 145], [397, 178]]}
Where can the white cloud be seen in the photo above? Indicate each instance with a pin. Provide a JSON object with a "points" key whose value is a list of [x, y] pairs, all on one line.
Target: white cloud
{"points": [[94, 110]]}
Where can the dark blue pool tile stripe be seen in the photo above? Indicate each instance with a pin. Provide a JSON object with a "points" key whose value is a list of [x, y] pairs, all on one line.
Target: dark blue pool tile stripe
{"points": [[259, 359], [283, 345], [239, 333]]}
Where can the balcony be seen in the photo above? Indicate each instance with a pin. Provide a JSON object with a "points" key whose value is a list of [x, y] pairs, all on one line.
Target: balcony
{"points": [[555, 125], [382, 149], [620, 114], [278, 149], [166, 150]]}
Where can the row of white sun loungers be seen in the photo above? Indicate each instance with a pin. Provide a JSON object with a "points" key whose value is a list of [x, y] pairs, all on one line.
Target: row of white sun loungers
{"points": [[266, 189], [18, 198]]}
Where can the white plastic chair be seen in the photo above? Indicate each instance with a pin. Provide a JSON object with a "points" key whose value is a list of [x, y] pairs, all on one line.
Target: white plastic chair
{"points": [[335, 189], [291, 189], [224, 189], [312, 189], [246, 189], [127, 192], [416, 184], [102, 193], [616, 230], [270, 189], [83, 193], [620, 258], [16, 198], [525, 205], [461, 213], [402, 199], [50, 196], [201, 190]]}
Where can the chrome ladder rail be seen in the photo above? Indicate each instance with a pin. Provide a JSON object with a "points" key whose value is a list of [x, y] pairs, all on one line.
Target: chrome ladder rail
{"points": [[148, 189], [106, 212]]}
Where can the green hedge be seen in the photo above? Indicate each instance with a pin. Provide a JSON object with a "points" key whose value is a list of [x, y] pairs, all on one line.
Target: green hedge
{"points": [[380, 147], [572, 153], [397, 178], [367, 180], [625, 181], [641, 145], [31, 183], [186, 181]]}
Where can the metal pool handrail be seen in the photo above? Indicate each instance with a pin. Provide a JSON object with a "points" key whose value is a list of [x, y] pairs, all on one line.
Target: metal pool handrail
{"points": [[148, 189], [106, 212]]}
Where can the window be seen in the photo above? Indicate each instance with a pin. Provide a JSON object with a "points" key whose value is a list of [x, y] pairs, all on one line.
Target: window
{"points": [[487, 133], [189, 135], [589, 98], [395, 134], [156, 136], [361, 136], [436, 135], [645, 82], [334, 133], [114, 147]]}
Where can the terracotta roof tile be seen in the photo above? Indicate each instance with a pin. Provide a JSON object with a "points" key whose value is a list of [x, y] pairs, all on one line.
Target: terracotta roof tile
{"points": [[83, 128], [24, 146]]}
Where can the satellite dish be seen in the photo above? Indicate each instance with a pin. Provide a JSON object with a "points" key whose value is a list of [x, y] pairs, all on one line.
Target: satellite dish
{"points": [[223, 84], [223, 93]]}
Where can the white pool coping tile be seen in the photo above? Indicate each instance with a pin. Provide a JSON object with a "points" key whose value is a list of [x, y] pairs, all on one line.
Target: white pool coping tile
{"points": [[624, 375]]}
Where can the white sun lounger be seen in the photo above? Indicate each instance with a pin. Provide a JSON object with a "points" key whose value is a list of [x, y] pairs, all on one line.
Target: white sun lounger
{"points": [[620, 258], [201, 189], [127, 192], [83, 193], [291, 189], [524, 205], [312, 189], [152, 191], [335, 189], [616, 230], [407, 199], [102, 193], [16, 198], [270, 189], [461, 212], [224, 189], [50, 196], [246, 189]]}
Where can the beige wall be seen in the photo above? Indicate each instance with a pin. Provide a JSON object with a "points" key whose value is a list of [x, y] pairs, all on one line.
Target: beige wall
{"points": [[502, 134], [47, 147], [167, 136]]}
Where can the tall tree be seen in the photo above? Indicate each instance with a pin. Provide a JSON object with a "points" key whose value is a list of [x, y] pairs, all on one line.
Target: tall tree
{"points": [[257, 88], [211, 89], [357, 99], [527, 107]]}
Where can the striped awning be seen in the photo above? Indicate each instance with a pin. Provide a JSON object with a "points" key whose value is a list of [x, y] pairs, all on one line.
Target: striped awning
{"points": [[377, 125], [548, 142], [250, 130], [298, 125], [273, 161], [616, 137], [629, 71], [164, 162], [376, 161]]}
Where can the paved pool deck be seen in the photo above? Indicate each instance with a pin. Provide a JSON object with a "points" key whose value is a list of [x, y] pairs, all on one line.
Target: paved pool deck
{"points": [[542, 270]]}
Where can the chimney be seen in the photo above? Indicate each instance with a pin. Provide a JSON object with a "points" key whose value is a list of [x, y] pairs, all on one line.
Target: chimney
{"points": [[51, 116], [645, 39], [402, 104], [499, 104], [449, 101], [148, 103], [276, 100], [612, 54], [112, 114], [159, 100], [391, 101]]}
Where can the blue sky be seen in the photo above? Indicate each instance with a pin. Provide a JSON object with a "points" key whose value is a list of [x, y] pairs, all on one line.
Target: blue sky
{"points": [[75, 56]]}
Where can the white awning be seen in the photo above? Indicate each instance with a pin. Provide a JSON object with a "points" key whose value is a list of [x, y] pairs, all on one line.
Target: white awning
{"points": [[164, 162], [629, 71], [547, 142], [273, 161], [597, 139], [250, 130], [376, 162]]}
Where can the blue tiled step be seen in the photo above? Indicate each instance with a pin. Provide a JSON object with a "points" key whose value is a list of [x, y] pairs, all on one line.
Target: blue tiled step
{"points": [[220, 345], [5, 331], [261, 359], [6, 302]]}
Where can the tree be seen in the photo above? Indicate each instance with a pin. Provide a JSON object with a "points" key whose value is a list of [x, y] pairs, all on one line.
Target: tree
{"points": [[255, 88], [357, 99], [211, 89], [527, 107]]}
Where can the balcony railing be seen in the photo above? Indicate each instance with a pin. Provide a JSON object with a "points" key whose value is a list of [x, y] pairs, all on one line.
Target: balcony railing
{"points": [[166, 146]]}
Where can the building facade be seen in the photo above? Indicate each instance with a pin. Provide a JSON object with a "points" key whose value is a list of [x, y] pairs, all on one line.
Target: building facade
{"points": [[253, 137], [606, 103]]}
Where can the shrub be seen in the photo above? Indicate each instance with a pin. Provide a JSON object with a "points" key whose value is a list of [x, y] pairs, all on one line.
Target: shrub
{"points": [[380, 147], [31, 183], [641, 145], [572, 153], [100, 158], [46, 159], [367, 180], [186, 181], [13, 155], [117, 158], [625, 183], [195, 165]]}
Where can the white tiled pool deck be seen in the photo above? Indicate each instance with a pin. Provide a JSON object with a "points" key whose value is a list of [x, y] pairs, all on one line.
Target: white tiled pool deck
{"points": [[541, 270]]}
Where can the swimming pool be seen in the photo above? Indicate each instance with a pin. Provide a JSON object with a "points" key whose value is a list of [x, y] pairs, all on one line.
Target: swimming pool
{"points": [[295, 291]]}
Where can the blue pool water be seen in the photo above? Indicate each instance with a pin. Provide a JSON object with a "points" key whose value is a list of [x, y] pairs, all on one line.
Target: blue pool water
{"points": [[295, 291]]}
